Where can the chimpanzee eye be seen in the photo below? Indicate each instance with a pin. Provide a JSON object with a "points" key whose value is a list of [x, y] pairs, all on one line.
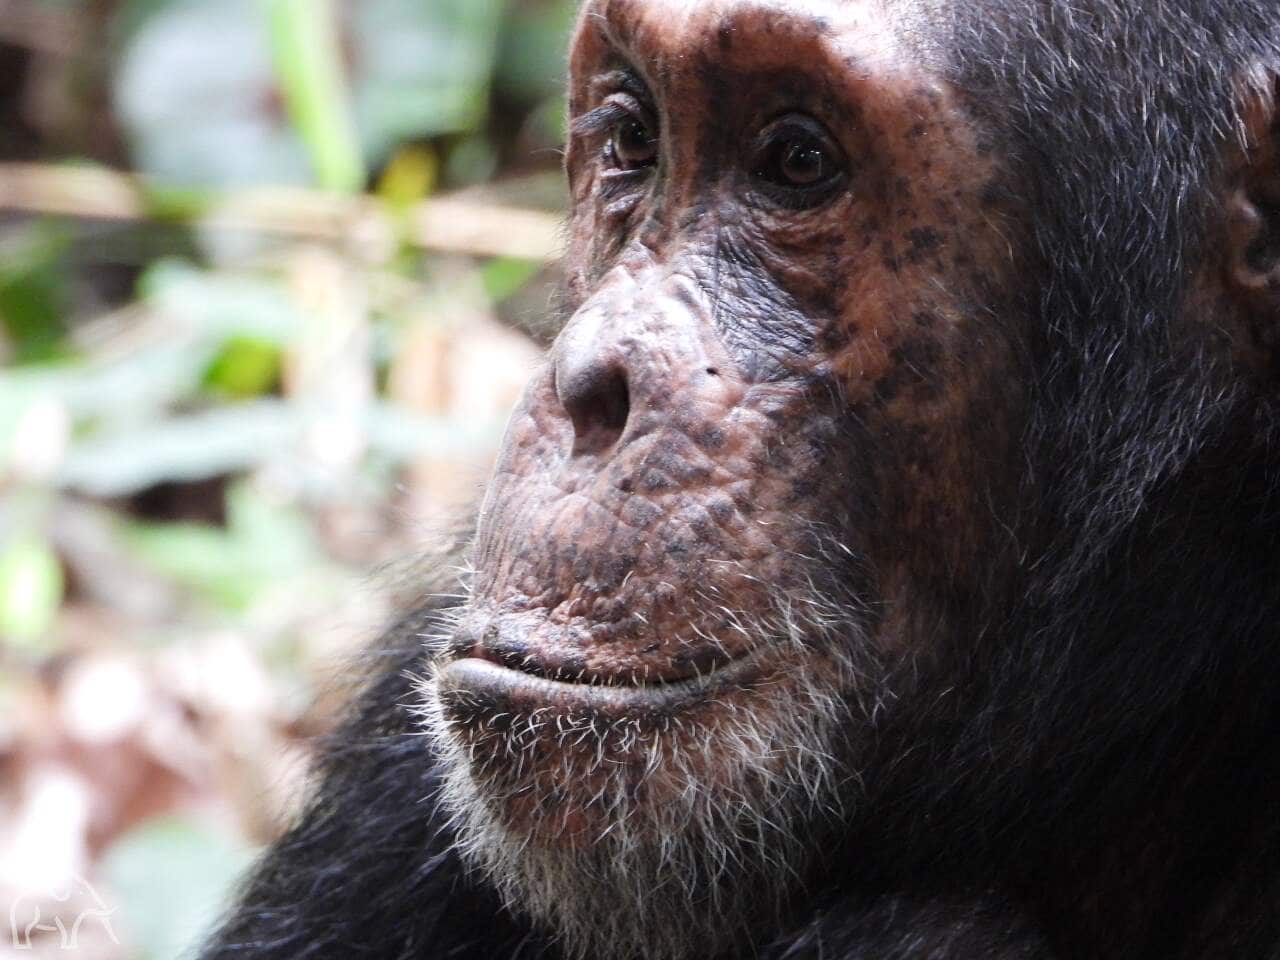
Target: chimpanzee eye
{"points": [[802, 163], [797, 155], [631, 145]]}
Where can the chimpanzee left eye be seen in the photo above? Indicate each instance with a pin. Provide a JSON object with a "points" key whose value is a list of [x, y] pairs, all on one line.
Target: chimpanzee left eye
{"points": [[631, 144], [797, 155]]}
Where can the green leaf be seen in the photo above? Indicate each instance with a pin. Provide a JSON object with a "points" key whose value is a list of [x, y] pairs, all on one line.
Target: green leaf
{"points": [[33, 296], [31, 590], [410, 175], [308, 63], [245, 367]]}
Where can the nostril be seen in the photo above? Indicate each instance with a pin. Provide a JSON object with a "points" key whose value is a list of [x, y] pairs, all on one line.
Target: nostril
{"points": [[599, 412]]}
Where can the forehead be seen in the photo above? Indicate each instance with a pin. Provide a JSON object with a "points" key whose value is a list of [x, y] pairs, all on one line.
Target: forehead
{"points": [[752, 34]]}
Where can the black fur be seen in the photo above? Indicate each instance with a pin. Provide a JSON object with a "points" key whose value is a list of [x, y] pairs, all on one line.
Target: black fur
{"points": [[1104, 780]]}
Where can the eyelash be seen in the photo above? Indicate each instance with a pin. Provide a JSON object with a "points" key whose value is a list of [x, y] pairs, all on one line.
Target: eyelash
{"points": [[601, 119]]}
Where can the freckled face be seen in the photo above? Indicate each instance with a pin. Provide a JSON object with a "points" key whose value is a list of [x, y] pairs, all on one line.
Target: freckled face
{"points": [[745, 450]]}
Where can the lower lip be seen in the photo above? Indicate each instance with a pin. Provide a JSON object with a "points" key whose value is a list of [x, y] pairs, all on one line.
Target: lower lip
{"points": [[505, 688]]}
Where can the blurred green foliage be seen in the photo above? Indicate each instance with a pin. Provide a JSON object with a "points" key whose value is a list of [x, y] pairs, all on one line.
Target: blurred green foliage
{"points": [[164, 910], [307, 91], [268, 379], [33, 296], [31, 586], [231, 564]]}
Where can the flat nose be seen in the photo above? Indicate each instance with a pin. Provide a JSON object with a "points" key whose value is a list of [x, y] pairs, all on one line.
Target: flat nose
{"points": [[639, 355], [591, 360]]}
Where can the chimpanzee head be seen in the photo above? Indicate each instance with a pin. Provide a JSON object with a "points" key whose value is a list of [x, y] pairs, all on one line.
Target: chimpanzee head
{"points": [[884, 325]]}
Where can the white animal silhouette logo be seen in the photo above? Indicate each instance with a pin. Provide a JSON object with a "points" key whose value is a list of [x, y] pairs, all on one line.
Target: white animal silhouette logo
{"points": [[26, 919]]}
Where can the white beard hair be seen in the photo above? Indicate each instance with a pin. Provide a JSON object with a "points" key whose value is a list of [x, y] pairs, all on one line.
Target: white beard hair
{"points": [[719, 857]]}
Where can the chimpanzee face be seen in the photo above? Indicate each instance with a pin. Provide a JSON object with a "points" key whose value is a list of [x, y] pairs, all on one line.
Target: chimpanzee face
{"points": [[753, 478]]}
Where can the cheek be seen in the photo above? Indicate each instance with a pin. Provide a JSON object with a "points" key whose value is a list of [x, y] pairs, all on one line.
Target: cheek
{"points": [[926, 360]]}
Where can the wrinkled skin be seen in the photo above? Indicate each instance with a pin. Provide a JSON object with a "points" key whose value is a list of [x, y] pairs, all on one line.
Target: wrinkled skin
{"points": [[886, 562], [750, 400]]}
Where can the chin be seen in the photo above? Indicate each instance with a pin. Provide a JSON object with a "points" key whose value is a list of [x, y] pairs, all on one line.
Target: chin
{"points": [[612, 803]]}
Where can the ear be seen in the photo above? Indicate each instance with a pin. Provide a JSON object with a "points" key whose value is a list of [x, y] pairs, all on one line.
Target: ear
{"points": [[1253, 202]]}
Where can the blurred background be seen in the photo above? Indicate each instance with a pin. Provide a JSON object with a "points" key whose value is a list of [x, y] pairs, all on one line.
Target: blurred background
{"points": [[272, 274]]}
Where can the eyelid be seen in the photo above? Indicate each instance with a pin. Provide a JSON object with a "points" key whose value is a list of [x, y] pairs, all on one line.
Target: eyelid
{"points": [[799, 123], [602, 118], [620, 81], [624, 96], [618, 107]]}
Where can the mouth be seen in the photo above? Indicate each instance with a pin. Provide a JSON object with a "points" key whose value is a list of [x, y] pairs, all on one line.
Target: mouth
{"points": [[474, 685], [523, 661]]}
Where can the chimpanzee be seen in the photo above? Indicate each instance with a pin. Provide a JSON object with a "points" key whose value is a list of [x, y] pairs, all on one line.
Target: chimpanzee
{"points": [[884, 564]]}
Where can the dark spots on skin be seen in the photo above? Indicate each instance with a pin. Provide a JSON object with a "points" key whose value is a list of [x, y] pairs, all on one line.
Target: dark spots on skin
{"points": [[888, 387], [704, 531], [919, 354], [616, 569], [724, 35], [721, 508], [921, 242], [888, 256], [708, 437], [917, 131], [640, 514], [654, 481], [913, 368], [834, 338]]}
